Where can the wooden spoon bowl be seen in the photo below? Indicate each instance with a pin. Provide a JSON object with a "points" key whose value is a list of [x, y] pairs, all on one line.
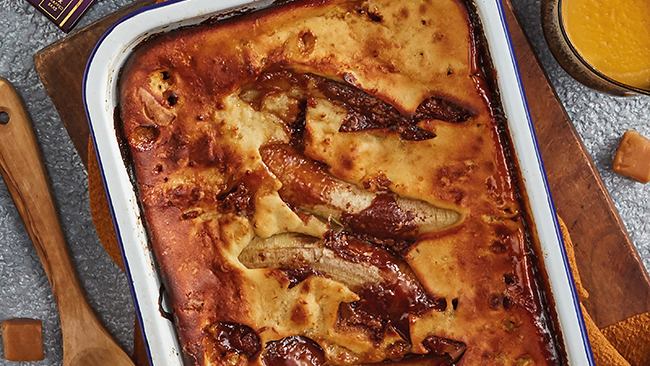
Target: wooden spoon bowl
{"points": [[85, 341]]}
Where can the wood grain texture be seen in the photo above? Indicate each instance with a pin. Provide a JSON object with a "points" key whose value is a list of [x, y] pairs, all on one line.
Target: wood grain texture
{"points": [[609, 264], [61, 67], [85, 341]]}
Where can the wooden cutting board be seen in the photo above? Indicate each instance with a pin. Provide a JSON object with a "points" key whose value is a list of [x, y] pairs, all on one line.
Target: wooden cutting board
{"points": [[609, 264]]}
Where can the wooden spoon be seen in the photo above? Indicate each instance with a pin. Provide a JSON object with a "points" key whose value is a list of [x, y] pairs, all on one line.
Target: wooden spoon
{"points": [[85, 341]]}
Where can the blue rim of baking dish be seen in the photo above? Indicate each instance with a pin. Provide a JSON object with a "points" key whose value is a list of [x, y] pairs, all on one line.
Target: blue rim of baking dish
{"points": [[558, 232], [522, 95], [116, 227], [127, 271]]}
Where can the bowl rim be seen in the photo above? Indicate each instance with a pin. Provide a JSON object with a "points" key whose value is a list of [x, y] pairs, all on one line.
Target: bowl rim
{"points": [[603, 77]]}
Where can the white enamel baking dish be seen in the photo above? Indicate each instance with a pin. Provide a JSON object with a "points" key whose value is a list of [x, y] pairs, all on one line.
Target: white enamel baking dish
{"points": [[100, 100]]}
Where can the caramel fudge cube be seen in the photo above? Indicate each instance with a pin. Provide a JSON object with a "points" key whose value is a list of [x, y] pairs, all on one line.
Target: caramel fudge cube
{"points": [[633, 157], [22, 339]]}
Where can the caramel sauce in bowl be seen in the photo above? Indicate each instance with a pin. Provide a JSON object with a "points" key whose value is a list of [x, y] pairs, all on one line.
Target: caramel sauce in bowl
{"points": [[604, 44]]}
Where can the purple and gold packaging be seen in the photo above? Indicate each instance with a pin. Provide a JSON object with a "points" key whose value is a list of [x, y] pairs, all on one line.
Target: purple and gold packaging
{"points": [[63, 13]]}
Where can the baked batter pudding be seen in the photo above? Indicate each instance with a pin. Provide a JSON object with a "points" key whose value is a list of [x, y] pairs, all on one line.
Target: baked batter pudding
{"points": [[329, 182]]}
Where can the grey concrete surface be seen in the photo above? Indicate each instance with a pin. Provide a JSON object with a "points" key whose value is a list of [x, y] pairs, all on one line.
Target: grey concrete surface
{"points": [[24, 290], [601, 120]]}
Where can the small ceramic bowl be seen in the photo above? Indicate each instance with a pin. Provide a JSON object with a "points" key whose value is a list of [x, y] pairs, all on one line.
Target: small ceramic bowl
{"points": [[568, 57]]}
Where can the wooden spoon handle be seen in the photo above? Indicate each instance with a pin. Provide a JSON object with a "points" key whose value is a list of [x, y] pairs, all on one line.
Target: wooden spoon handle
{"points": [[25, 176]]}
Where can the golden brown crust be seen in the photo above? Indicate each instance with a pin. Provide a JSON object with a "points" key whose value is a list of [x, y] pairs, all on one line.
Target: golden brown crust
{"points": [[285, 155]]}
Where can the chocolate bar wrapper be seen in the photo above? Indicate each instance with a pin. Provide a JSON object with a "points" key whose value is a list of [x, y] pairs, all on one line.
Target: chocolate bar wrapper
{"points": [[63, 13]]}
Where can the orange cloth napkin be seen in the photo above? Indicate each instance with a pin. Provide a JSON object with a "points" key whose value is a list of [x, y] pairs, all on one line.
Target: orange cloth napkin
{"points": [[626, 343]]}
